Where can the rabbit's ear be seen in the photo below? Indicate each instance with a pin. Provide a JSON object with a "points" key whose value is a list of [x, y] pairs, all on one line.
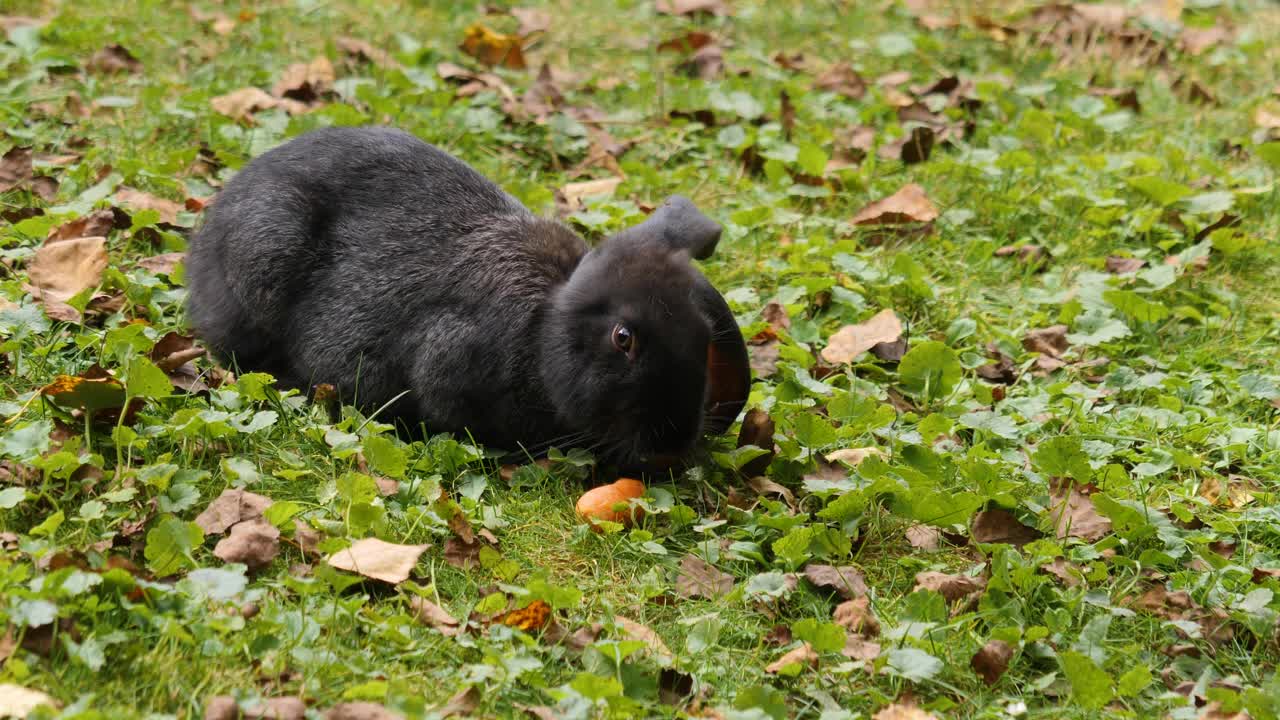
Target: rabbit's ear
{"points": [[728, 365], [680, 224]]}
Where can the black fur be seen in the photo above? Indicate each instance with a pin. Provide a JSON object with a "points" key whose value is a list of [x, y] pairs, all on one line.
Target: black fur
{"points": [[370, 260]]}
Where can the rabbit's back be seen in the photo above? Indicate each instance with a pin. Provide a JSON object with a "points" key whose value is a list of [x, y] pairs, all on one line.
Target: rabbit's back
{"points": [[364, 254]]}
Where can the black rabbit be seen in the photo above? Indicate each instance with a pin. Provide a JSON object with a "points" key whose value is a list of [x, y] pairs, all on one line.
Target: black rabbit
{"points": [[373, 261]]}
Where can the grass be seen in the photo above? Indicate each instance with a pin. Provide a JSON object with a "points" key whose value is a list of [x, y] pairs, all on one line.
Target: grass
{"points": [[1174, 424]]}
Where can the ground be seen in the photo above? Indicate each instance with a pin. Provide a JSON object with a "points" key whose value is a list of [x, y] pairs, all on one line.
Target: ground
{"points": [[1063, 500]]}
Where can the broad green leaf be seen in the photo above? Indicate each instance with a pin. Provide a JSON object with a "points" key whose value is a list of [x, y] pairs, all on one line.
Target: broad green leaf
{"points": [[1210, 203], [1090, 685], [913, 664], [26, 441], [1094, 328], [169, 545], [821, 636], [146, 380], [1136, 306], [994, 423], [1062, 456], [10, 497], [930, 367], [1160, 190], [384, 457], [812, 159]]}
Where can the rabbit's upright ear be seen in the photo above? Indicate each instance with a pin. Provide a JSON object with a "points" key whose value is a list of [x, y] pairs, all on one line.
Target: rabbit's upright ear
{"points": [[682, 226]]}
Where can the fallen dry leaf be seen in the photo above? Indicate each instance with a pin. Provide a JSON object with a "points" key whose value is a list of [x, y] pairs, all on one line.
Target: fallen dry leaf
{"points": [[365, 52], [254, 542], [855, 615], [1000, 526], [856, 648], [951, 587], [95, 392], [842, 79], [114, 59], [306, 537], [850, 341], [803, 655], [764, 486], [853, 456], [692, 7], [1050, 341], [360, 711], [903, 711], [1121, 265], [924, 537], [574, 193], [241, 104], [462, 554], [1196, 40], [140, 200], [698, 578], [1064, 571], [493, 48], [908, 205], [224, 707], [463, 703], [432, 615], [305, 82], [764, 359], [15, 168], [847, 581], [379, 560], [529, 618], [1073, 513], [532, 20], [232, 506], [97, 223], [644, 634], [63, 269], [1028, 254], [162, 264], [757, 429], [1124, 97], [18, 702], [992, 660]]}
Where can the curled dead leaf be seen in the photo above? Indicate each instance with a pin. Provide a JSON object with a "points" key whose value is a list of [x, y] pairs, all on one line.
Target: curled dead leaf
{"points": [[1000, 526], [378, 559], [493, 48], [114, 58], [924, 537], [232, 506], [463, 703], [951, 587], [1050, 341], [432, 615], [698, 578], [360, 711], [140, 200], [644, 634], [908, 205], [803, 655], [63, 269], [842, 79], [19, 702], [254, 542], [992, 660], [1073, 513], [850, 341], [903, 711], [1121, 265], [305, 82], [848, 581], [574, 193], [855, 615]]}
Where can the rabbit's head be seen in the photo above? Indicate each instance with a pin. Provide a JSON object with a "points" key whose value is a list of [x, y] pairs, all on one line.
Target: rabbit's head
{"points": [[630, 337]]}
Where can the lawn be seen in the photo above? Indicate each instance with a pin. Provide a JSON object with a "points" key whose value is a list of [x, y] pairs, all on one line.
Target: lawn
{"points": [[1008, 275]]}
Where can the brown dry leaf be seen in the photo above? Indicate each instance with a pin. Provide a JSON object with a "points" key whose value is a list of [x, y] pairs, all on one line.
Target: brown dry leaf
{"points": [[764, 359], [462, 554], [306, 537], [803, 655], [1002, 370], [706, 63], [1260, 575], [1000, 526], [432, 615], [850, 341], [1196, 40], [1027, 253], [174, 350], [365, 52], [305, 82], [908, 205], [224, 707], [698, 578], [903, 711], [1050, 341], [162, 264], [531, 20], [1064, 571], [924, 537], [757, 429], [493, 48], [992, 660], [253, 542], [1073, 512], [240, 104], [856, 648], [15, 168], [693, 7], [543, 96], [765, 486], [855, 615], [952, 587], [644, 634], [847, 581], [61, 270], [378, 559], [140, 200], [114, 59], [463, 704], [96, 224], [842, 79], [360, 711], [18, 702], [232, 506], [1118, 265], [574, 193], [853, 456]]}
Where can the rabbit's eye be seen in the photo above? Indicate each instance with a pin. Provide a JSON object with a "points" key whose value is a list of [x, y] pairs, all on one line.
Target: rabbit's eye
{"points": [[623, 339]]}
